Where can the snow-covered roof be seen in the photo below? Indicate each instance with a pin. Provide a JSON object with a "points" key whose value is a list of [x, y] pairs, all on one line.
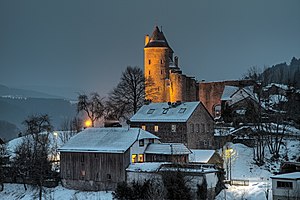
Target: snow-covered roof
{"points": [[228, 92], [234, 94], [281, 86], [168, 149], [145, 167], [292, 176], [201, 155], [163, 112], [105, 140]]}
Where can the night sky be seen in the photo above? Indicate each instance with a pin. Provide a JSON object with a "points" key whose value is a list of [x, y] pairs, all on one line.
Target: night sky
{"points": [[71, 46]]}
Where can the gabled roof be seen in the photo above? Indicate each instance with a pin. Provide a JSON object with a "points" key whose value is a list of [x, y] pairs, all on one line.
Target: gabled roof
{"points": [[105, 140], [290, 176], [168, 149], [201, 155], [163, 112], [234, 94]]}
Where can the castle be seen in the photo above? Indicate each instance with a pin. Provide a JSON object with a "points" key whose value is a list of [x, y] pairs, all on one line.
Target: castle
{"points": [[165, 82]]}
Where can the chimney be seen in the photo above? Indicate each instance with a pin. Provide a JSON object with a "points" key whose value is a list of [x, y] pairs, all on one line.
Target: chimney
{"points": [[146, 39], [176, 61]]}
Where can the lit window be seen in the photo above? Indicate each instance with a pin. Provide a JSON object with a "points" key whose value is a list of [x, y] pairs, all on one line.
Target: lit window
{"points": [[192, 128], [156, 128], [144, 127], [141, 143], [165, 110], [173, 128], [141, 158], [134, 158], [182, 110], [150, 111]]}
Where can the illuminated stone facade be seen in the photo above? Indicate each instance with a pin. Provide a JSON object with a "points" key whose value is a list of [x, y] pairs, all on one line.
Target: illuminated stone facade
{"points": [[164, 79]]}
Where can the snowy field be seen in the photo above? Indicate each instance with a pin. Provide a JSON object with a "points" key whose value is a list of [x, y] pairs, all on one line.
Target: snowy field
{"points": [[17, 192], [259, 177]]}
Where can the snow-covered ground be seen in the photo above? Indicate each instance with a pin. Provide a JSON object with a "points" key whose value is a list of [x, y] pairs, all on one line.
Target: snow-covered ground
{"points": [[242, 168], [17, 192]]}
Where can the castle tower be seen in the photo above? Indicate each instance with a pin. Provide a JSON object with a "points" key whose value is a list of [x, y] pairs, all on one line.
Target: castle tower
{"points": [[157, 57]]}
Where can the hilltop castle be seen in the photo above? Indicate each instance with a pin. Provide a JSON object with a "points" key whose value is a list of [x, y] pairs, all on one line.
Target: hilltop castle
{"points": [[165, 82]]}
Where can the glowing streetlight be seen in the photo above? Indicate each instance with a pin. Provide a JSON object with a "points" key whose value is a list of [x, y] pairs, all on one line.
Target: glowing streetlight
{"points": [[88, 123]]}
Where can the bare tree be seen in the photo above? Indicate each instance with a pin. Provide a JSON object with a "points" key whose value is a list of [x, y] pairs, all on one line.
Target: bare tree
{"points": [[2, 163], [128, 96], [93, 106], [252, 73], [31, 160]]}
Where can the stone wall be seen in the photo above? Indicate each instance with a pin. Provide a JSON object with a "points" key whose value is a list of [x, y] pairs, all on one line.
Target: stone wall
{"points": [[210, 93]]}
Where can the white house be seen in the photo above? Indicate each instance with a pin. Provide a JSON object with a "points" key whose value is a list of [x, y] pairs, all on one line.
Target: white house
{"points": [[286, 186]]}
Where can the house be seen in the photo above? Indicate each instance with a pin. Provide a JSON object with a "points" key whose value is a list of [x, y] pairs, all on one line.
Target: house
{"points": [[181, 122], [206, 156], [286, 186], [97, 158], [194, 175], [167, 152], [237, 104], [287, 167]]}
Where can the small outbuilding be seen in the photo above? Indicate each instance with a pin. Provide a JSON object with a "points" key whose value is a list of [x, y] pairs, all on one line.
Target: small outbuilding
{"points": [[286, 186]]}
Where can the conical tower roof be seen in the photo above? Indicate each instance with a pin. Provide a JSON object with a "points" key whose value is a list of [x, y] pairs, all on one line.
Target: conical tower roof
{"points": [[158, 39]]}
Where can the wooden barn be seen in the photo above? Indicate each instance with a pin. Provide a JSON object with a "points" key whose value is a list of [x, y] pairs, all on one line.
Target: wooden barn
{"points": [[97, 158]]}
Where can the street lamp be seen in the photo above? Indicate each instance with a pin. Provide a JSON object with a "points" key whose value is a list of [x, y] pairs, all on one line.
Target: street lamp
{"points": [[228, 155]]}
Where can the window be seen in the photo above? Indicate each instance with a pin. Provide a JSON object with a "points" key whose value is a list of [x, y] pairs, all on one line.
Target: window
{"points": [[165, 110], [192, 128], [161, 62], [149, 62], [208, 128], [141, 143], [150, 111], [157, 88], [156, 128], [161, 72], [108, 176], [149, 72], [151, 140], [134, 158], [197, 128], [82, 158], [182, 110], [82, 172], [202, 128], [173, 128], [281, 184], [141, 158], [144, 127]]}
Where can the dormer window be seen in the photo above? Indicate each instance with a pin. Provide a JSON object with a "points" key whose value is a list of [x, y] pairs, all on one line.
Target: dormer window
{"points": [[165, 111], [182, 110], [150, 111], [141, 143]]}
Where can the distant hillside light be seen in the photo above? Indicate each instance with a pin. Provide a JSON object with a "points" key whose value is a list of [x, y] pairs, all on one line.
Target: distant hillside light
{"points": [[88, 123]]}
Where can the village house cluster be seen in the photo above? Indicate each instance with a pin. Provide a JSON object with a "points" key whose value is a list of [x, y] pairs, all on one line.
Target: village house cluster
{"points": [[174, 130]]}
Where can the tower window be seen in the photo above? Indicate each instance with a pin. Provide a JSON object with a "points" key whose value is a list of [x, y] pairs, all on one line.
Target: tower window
{"points": [[161, 72], [161, 61], [149, 72], [149, 62]]}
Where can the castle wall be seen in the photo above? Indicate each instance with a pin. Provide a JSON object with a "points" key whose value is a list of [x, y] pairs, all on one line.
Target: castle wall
{"points": [[210, 93], [176, 87]]}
